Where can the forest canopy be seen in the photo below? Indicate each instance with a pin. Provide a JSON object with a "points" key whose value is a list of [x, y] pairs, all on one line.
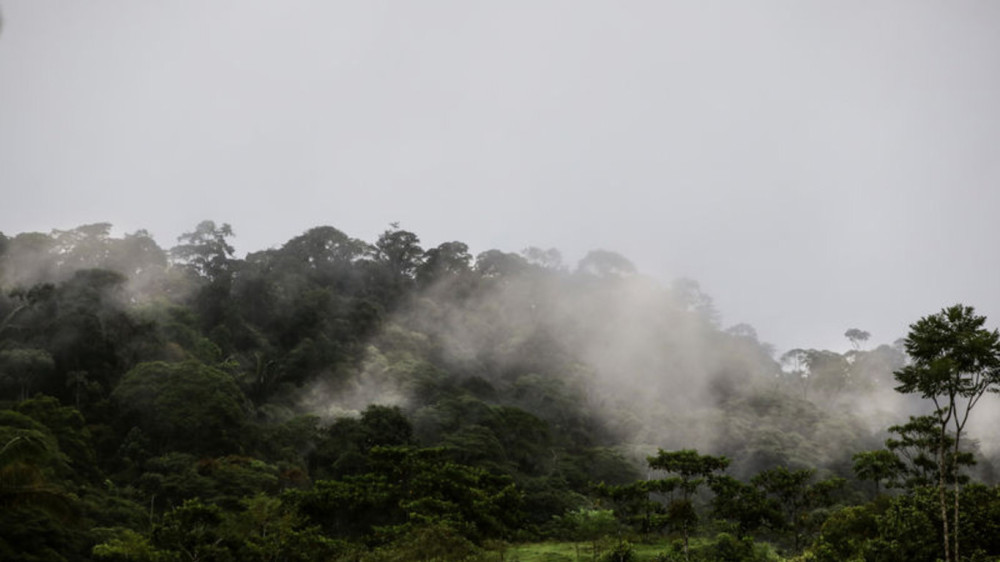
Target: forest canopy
{"points": [[334, 398]]}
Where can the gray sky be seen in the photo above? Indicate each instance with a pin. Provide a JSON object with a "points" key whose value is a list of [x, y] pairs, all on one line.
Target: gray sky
{"points": [[816, 166]]}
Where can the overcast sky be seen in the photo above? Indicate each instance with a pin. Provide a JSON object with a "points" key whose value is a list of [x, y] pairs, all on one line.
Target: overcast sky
{"points": [[816, 166]]}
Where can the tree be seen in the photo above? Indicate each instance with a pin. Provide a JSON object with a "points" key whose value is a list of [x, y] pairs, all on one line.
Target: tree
{"points": [[392, 265], [406, 487], [206, 250], [26, 300], [796, 360], [692, 298], [184, 406], [385, 426], [399, 251], [83, 247], [955, 361], [917, 447], [691, 470], [323, 254], [448, 259], [29, 454], [796, 495], [603, 263], [269, 530], [877, 466], [857, 337], [25, 368], [90, 329], [324, 246], [193, 531], [828, 370], [140, 258], [547, 259], [29, 259], [588, 525], [744, 504], [70, 430], [632, 503], [497, 264], [36, 509]]}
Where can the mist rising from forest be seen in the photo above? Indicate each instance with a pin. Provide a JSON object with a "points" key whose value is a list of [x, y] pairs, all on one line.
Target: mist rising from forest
{"points": [[649, 360]]}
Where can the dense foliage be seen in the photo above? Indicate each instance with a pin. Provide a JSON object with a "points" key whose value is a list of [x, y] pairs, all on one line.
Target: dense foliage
{"points": [[334, 399]]}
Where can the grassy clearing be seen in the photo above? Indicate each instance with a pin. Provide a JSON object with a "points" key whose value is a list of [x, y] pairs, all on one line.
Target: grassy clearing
{"points": [[576, 551], [584, 551]]}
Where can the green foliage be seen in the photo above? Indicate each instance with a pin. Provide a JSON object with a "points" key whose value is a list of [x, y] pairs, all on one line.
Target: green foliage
{"points": [[435, 541], [878, 466], [184, 406], [728, 548], [920, 446], [845, 533], [687, 463], [413, 486], [37, 512], [692, 469], [586, 524], [954, 362], [622, 551], [953, 356], [193, 529], [185, 403], [747, 506], [268, 529], [24, 369], [123, 544], [206, 249], [69, 428], [30, 463], [796, 495]]}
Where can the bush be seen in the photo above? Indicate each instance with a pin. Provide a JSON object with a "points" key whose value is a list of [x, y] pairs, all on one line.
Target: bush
{"points": [[728, 548], [433, 541], [621, 552]]}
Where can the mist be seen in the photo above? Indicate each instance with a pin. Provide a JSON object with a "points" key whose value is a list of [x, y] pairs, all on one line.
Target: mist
{"points": [[642, 364], [614, 230], [650, 361], [799, 161]]}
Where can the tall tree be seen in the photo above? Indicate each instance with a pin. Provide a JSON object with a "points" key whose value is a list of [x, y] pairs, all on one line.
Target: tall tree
{"points": [[796, 361], [206, 250], [399, 251], [448, 259], [955, 361], [393, 263]]}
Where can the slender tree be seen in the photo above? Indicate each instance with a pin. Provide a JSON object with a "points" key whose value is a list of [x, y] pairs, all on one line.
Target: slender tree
{"points": [[954, 362], [857, 337]]}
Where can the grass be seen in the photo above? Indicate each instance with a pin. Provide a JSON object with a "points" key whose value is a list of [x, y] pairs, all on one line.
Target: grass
{"points": [[576, 551], [553, 551]]}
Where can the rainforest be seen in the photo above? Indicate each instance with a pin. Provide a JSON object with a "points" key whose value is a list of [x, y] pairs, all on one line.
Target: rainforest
{"points": [[338, 399]]}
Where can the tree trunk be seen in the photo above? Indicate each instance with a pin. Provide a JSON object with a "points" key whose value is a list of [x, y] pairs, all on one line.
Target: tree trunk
{"points": [[954, 462], [941, 496], [687, 556]]}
